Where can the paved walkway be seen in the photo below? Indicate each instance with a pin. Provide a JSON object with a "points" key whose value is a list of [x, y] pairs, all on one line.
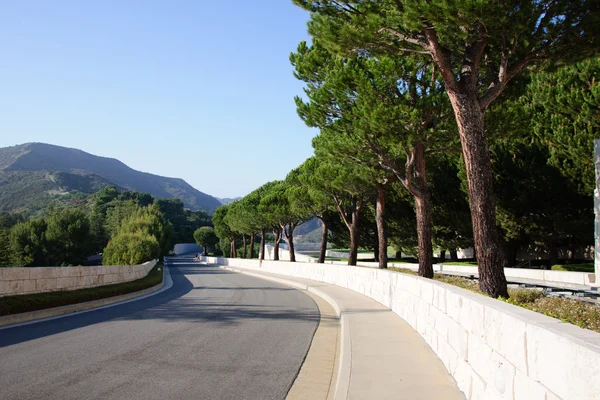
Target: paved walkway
{"points": [[381, 356]]}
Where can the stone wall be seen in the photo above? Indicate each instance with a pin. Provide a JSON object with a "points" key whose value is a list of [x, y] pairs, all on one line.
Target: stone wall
{"points": [[16, 281], [494, 350]]}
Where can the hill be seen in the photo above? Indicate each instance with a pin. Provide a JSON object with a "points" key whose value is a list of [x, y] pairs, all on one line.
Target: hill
{"points": [[227, 200], [34, 172]]}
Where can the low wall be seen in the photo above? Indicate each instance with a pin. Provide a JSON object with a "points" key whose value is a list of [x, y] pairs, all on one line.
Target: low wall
{"points": [[494, 350], [563, 278], [16, 281]]}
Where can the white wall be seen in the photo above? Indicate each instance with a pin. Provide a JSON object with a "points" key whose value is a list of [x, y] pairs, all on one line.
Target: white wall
{"points": [[494, 350], [17, 281]]}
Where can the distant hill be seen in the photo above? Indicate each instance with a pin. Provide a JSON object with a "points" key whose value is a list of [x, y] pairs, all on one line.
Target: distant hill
{"points": [[227, 200], [31, 172]]}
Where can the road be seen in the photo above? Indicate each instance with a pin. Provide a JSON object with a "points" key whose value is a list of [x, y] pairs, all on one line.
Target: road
{"points": [[214, 335]]}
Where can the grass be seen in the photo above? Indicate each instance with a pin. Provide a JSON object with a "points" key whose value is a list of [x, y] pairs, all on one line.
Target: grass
{"points": [[586, 267], [583, 314], [466, 263], [39, 301]]}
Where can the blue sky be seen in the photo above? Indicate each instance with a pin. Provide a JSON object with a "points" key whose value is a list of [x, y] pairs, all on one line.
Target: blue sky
{"points": [[201, 90]]}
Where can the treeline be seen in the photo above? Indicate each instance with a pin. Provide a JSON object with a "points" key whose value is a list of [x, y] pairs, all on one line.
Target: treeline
{"points": [[443, 126], [127, 227]]}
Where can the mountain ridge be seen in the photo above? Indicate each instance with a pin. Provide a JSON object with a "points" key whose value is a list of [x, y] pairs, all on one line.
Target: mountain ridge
{"points": [[31, 158]]}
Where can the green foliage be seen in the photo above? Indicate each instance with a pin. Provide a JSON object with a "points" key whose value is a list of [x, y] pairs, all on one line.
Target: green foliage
{"points": [[565, 106], [131, 249], [206, 238], [28, 243], [586, 267], [5, 252], [68, 238], [184, 221]]}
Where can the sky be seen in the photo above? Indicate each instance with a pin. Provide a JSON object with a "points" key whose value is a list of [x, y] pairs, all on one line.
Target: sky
{"points": [[200, 90]]}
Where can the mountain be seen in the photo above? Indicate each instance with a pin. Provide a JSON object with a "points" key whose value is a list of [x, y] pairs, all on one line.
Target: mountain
{"points": [[33, 171], [227, 200]]}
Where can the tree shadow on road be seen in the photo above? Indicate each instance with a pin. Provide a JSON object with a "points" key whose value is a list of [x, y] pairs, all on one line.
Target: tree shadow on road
{"points": [[228, 305]]}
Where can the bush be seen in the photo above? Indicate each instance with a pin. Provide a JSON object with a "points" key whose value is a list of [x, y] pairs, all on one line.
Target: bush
{"points": [[585, 315], [587, 267], [131, 249]]}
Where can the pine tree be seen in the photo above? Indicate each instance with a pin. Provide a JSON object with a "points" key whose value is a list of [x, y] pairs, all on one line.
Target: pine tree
{"points": [[565, 106], [478, 47]]}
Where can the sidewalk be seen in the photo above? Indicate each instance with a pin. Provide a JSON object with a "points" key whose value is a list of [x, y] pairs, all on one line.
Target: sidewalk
{"points": [[381, 356]]}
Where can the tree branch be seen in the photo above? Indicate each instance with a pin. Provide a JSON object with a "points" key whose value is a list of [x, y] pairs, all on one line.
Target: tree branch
{"points": [[441, 56]]}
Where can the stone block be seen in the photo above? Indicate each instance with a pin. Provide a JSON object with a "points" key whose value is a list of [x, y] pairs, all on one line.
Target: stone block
{"points": [[568, 368], [439, 298], [526, 388], [16, 287], [472, 316], [464, 377], [458, 338], [45, 285], [506, 334], [67, 283], [14, 274], [427, 291], [454, 303], [28, 286], [478, 388]]}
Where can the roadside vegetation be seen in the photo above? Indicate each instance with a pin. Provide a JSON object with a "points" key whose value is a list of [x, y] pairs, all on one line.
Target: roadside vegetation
{"points": [[127, 227], [581, 313], [39, 301], [465, 125]]}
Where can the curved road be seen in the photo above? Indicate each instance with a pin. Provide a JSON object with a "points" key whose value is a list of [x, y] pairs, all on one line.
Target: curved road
{"points": [[214, 335]]}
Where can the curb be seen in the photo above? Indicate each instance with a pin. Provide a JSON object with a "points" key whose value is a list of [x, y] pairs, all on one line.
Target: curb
{"points": [[8, 321], [342, 378]]}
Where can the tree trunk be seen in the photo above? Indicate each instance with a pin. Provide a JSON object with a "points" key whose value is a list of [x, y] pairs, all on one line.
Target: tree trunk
{"points": [[376, 252], [453, 255], [381, 233], [469, 117], [353, 254], [205, 254], [233, 248], [245, 246], [442, 256], [323, 251], [289, 235], [553, 256], [398, 255], [262, 244], [252, 239], [423, 211], [277, 233]]}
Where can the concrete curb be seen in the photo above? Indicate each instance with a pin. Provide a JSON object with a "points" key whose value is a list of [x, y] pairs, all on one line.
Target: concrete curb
{"points": [[9, 321], [342, 375]]}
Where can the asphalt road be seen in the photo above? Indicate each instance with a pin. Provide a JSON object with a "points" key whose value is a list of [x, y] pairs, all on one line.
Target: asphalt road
{"points": [[214, 335]]}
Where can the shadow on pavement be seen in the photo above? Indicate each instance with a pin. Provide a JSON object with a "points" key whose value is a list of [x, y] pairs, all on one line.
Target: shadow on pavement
{"points": [[220, 305]]}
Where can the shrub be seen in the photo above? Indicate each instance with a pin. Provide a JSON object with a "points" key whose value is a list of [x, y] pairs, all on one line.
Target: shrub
{"points": [[587, 267], [580, 313], [131, 249]]}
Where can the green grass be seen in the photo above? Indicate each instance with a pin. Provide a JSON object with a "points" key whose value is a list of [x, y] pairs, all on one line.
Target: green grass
{"points": [[586, 267], [347, 250], [39, 301], [465, 263]]}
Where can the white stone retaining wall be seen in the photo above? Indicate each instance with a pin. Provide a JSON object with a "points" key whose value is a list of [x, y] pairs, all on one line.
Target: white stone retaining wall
{"points": [[17, 281], [284, 254], [494, 350], [565, 278]]}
